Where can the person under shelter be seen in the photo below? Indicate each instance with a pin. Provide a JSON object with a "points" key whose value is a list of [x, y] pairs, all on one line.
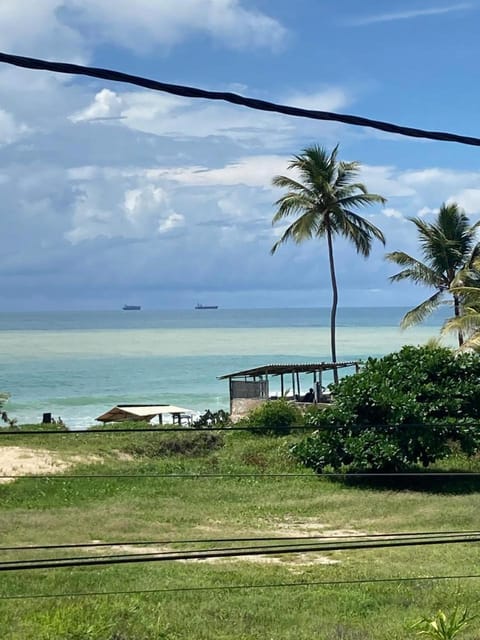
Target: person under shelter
{"points": [[309, 396]]}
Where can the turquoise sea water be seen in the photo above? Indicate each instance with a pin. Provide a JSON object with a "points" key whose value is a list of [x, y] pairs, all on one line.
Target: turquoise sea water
{"points": [[79, 364]]}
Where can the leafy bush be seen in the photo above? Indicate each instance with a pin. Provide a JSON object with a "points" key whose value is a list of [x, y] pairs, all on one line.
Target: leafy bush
{"points": [[405, 408], [186, 444], [274, 417], [443, 627], [210, 419], [14, 426]]}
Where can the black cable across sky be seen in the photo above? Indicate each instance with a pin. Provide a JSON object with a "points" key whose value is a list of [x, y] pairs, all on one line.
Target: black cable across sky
{"points": [[233, 98]]}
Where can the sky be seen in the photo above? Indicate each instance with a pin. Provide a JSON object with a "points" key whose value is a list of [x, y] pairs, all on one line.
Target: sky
{"points": [[112, 194]]}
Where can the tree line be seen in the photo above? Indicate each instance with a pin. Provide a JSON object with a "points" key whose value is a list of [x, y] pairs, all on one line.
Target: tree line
{"points": [[324, 197]]}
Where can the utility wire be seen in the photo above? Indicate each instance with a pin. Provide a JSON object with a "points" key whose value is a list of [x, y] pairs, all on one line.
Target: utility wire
{"points": [[233, 587], [195, 476], [231, 553], [36, 432], [85, 545], [255, 549], [252, 103]]}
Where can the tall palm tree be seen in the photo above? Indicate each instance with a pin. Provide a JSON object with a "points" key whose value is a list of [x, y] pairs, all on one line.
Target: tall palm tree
{"points": [[450, 260], [325, 197]]}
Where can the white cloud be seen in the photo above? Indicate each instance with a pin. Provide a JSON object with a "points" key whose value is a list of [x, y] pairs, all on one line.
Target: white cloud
{"points": [[389, 212], [182, 118], [328, 99], [468, 199], [253, 171], [427, 211], [105, 208], [10, 129], [410, 14], [386, 181], [142, 24], [172, 221], [35, 28], [106, 104]]}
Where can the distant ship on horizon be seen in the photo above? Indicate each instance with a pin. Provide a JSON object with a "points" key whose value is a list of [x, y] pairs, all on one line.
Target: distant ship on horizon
{"points": [[206, 306], [131, 307]]}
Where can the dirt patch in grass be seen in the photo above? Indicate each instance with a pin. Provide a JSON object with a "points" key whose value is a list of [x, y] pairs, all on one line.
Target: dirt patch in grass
{"points": [[290, 561], [288, 528], [19, 461]]}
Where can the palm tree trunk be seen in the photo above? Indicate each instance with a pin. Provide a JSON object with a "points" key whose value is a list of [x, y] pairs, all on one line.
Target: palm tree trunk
{"points": [[333, 313], [456, 306]]}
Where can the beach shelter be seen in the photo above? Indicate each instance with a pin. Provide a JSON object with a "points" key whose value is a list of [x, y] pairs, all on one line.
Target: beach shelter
{"points": [[251, 387], [146, 412]]}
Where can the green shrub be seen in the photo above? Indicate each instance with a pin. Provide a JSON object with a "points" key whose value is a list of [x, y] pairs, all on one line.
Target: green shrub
{"points": [[406, 408], [274, 417], [35, 427], [210, 419], [443, 627], [186, 444]]}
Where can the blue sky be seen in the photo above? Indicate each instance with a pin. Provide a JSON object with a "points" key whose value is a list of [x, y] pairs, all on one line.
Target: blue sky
{"points": [[111, 194]]}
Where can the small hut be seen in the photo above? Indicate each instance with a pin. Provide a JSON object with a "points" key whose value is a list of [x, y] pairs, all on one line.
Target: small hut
{"points": [[251, 387], [146, 412]]}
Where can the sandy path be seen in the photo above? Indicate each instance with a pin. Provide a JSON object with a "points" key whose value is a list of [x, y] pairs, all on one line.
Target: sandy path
{"points": [[18, 461]]}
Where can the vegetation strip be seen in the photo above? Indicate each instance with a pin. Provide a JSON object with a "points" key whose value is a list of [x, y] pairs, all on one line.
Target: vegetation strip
{"points": [[231, 587], [16, 431], [194, 476]]}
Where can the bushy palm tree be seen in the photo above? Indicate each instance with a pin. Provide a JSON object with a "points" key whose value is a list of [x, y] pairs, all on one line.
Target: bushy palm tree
{"points": [[450, 260], [325, 197], [468, 324]]}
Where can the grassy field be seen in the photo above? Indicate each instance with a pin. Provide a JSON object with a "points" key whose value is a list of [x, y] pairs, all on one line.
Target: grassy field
{"points": [[224, 598]]}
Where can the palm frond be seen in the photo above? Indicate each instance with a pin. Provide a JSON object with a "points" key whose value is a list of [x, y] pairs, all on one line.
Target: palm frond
{"points": [[285, 182], [300, 230], [292, 203], [416, 271], [359, 231], [420, 312]]}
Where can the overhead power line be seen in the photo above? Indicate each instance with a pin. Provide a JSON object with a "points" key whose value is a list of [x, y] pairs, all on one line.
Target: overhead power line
{"points": [[234, 98], [285, 546], [230, 553], [85, 545], [236, 587], [15, 431]]}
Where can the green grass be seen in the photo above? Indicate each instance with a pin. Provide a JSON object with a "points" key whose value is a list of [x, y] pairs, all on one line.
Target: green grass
{"points": [[56, 510]]}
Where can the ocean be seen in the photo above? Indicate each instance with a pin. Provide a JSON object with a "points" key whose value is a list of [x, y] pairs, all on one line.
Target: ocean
{"points": [[77, 365]]}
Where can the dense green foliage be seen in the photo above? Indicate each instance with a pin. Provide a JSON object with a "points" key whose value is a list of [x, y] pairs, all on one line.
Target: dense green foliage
{"points": [[209, 418], [187, 444], [275, 417], [405, 408], [52, 426]]}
